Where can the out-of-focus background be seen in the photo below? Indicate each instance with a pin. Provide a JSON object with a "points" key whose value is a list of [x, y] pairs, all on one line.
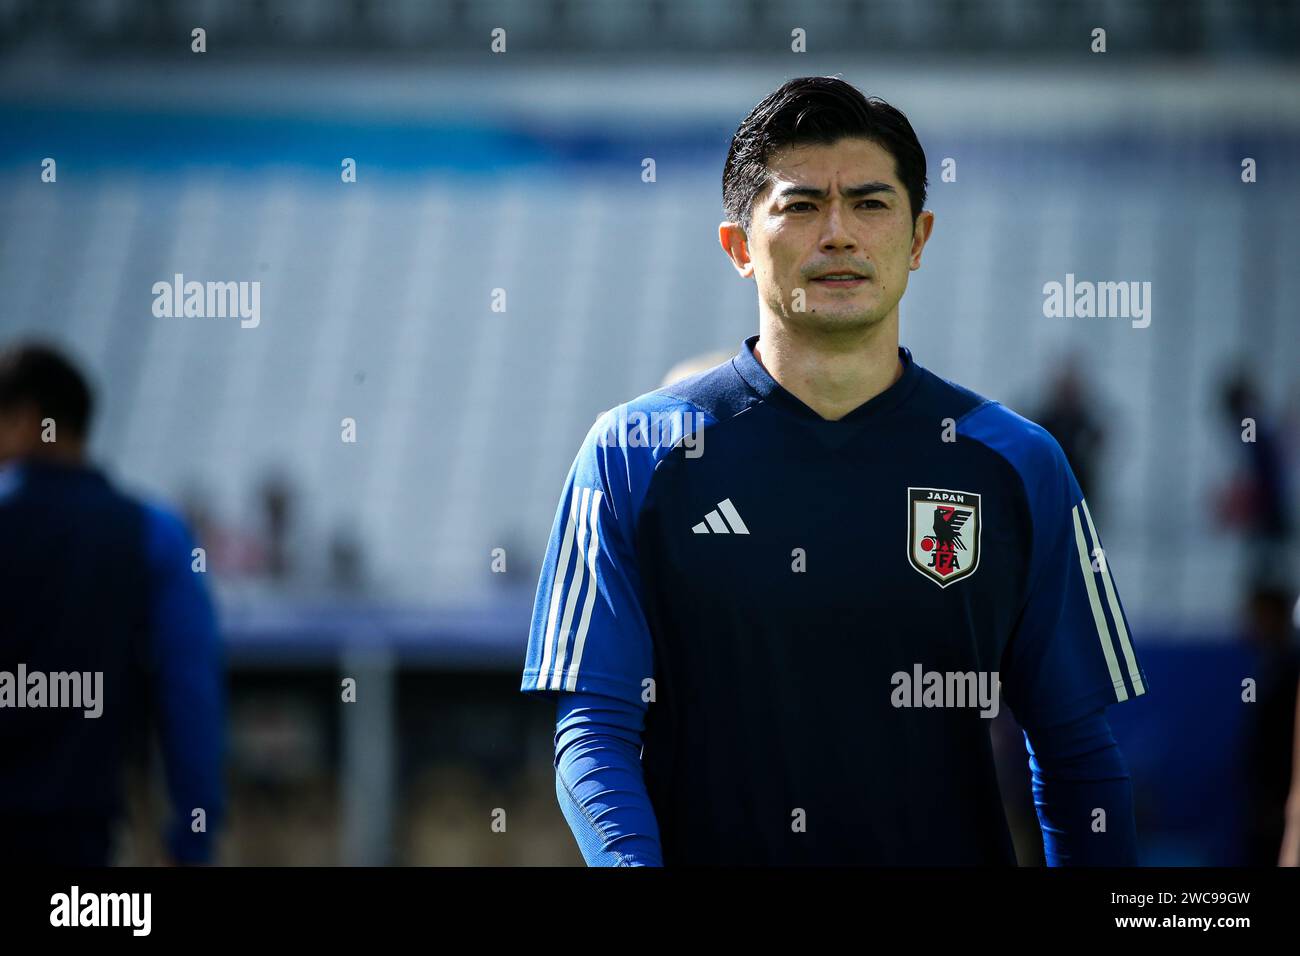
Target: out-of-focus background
{"points": [[523, 178]]}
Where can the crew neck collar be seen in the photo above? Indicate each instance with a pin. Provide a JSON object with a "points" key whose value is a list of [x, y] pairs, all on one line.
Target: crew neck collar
{"points": [[762, 382]]}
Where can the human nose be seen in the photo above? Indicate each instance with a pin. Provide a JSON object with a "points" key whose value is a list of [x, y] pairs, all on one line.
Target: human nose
{"points": [[835, 234]]}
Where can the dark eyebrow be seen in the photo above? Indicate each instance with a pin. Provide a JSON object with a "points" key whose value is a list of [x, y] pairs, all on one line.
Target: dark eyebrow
{"points": [[852, 192]]}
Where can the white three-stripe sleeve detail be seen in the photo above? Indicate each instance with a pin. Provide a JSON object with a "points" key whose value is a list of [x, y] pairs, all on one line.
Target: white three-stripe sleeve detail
{"points": [[593, 548], [578, 569], [1125, 644], [557, 590], [1098, 616]]}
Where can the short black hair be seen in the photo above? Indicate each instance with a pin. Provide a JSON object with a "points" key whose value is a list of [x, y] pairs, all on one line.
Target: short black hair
{"points": [[815, 109], [37, 373]]}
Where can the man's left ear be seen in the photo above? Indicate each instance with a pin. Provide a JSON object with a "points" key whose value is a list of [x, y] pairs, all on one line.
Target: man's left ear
{"points": [[920, 236]]}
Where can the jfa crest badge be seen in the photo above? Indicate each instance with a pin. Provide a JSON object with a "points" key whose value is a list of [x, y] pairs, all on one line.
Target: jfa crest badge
{"points": [[943, 533]]}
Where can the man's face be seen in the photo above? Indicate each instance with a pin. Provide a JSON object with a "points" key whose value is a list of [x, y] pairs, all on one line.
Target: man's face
{"points": [[831, 208]]}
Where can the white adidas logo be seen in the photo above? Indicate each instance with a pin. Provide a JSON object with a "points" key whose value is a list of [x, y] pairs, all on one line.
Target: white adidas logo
{"points": [[713, 521]]}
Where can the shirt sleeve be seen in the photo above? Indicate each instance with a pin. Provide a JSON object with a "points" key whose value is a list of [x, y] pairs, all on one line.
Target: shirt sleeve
{"points": [[1083, 794], [1071, 650], [189, 689], [599, 782], [589, 630]]}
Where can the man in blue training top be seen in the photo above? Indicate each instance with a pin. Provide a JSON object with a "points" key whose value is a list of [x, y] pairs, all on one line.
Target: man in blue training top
{"points": [[783, 596], [106, 631]]}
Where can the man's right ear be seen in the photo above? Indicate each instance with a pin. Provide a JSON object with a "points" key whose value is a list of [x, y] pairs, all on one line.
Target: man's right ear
{"points": [[734, 242]]}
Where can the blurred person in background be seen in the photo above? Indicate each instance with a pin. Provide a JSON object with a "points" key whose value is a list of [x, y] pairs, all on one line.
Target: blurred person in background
{"points": [[1270, 722], [277, 500], [97, 585], [1068, 417], [1257, 501]]}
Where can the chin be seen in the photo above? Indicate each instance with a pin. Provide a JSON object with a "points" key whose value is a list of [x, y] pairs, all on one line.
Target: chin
{"points": [[833, 321]]}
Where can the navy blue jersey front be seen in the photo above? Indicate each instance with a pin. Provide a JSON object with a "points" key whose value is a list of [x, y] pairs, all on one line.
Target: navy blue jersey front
{"points": [[789, 598]]}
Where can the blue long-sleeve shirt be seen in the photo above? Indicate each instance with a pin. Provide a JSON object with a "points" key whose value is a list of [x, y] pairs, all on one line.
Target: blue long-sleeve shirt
{"points": [[98, 585], [762, 581], [1083, 794], [599, 784]]}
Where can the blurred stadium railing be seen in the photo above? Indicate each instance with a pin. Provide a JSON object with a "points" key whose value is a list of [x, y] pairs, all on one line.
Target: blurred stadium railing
{"points": [[1033, 27]]}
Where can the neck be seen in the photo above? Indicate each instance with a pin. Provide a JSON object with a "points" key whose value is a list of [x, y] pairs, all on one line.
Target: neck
{"points": [[831, 373]]}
